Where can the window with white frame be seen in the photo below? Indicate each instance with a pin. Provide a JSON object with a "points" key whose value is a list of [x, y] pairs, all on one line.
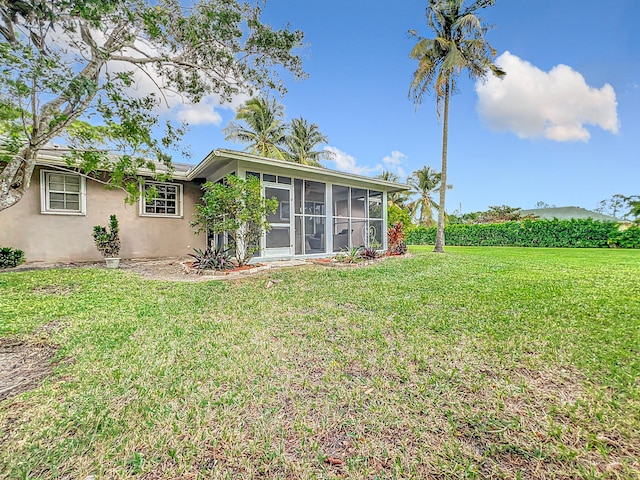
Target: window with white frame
{"points": [[62, 193], [357, 218], [167, 201]]}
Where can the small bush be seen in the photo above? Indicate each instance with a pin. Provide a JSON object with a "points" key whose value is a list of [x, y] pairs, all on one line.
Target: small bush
{"points": [[10, 257], [369, 253], [211, 259], [108, 241], [397, 244], [629, 238]]}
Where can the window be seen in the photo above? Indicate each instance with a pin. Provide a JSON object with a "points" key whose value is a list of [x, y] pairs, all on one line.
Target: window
{"points": [[62, 193], [310, 219], [167, 203], [357, 218]]}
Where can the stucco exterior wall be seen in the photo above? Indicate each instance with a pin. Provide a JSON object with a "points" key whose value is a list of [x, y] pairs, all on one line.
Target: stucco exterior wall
{"points": [[64, 238]]}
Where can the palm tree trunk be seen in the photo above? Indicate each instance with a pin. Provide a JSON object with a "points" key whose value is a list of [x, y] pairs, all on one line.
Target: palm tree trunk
{"points": [[439, 248]]}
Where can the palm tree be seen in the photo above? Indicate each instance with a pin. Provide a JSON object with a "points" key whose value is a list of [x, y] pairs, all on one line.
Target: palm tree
{"points": [[458, 44], [265, 131], [398, 199], [301, 141], [426, 183]]}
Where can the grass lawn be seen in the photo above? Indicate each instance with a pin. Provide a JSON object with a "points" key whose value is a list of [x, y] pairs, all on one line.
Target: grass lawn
{"points": [[483, 362]]}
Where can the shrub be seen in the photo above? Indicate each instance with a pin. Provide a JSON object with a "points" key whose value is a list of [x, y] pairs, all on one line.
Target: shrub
{"points": [[108, 240], [396, 214], [579, 233], [211, 259], [10, 257], [629, 238], [397, 244], [368, 253]]}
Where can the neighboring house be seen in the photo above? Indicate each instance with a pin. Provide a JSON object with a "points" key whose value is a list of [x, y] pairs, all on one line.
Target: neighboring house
{"points": [[320, 211], [567, 213]]}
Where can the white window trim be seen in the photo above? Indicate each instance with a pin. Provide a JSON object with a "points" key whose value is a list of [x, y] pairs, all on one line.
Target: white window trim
{"points": [[178, 214], [44, 194]]}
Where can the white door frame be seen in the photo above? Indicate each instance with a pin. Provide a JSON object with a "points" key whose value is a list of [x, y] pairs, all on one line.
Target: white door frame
{"points": [[279, 251]]}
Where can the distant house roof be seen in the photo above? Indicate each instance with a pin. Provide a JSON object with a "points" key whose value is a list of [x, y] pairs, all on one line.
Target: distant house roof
{"points": [[567, 213], [54, 155]]}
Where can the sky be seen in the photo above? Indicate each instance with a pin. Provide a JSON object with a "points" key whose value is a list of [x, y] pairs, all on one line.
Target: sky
{"points": [[563, 127]]}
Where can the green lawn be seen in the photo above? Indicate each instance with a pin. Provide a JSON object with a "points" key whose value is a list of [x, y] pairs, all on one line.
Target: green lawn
{"points": [[483, 362]]}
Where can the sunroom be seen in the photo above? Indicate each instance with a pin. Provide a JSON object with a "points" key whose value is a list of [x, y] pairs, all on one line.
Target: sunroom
{"points": [[320, 211]]}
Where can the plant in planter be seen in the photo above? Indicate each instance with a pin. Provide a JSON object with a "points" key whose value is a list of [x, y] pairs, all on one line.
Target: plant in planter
{"points": [[108, 242]]}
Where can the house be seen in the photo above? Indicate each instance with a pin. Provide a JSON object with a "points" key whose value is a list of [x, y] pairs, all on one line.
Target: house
{"points": [[320, 211], [568, 213]]}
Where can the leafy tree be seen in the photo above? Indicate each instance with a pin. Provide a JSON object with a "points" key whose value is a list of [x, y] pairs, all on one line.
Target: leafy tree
{"points": [[620, 206], [458, 44], [235, 207], [635, 209], [542, 204], [424, 182], [396, 214], [77, 59], [501, 214], [265, 132], [302, 142]]}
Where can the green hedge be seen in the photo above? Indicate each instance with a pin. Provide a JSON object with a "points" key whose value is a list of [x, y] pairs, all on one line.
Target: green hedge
{"points": [[629, 238], [527, 233]]}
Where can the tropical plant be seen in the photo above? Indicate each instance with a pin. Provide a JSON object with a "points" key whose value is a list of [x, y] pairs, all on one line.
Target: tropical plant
{"points": [[302, 142], [264, 130], [349, 255], [425, 183], [236, 207], [81, 59], [458, 44], [107, 240], [10, 257], [396, 240], [368, 253], [211, 259]]}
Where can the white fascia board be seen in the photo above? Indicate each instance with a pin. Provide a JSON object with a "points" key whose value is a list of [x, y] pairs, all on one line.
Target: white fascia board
{"points": [[302, 170]]}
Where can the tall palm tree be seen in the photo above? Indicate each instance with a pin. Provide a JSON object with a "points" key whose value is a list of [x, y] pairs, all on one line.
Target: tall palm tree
{"points": [[426, 183], [265, 130], [458, 44], [301, 143]]}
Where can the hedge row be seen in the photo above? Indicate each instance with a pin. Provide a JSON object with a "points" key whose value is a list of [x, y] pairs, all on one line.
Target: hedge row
{"points": [[531, 233]]}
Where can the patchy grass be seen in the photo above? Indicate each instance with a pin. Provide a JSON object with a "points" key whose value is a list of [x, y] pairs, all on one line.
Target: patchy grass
{"points": [[484, 362]]}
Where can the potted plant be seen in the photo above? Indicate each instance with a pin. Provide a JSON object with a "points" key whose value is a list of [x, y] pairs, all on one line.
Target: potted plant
{"points": [[108, 242]]}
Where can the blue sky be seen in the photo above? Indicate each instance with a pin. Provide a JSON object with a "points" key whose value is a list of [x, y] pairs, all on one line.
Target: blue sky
{"points": [[563, 127]]}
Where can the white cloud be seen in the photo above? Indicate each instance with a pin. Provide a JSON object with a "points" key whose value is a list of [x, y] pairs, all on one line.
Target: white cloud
{"points": [[394, 162], [557, 105], [346, 163]]}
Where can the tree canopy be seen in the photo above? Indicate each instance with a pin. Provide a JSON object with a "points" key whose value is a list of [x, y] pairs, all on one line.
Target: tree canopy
{"points": [[302, 143], [263, 128], [424, 182], [71, 60], [265, 133]]}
